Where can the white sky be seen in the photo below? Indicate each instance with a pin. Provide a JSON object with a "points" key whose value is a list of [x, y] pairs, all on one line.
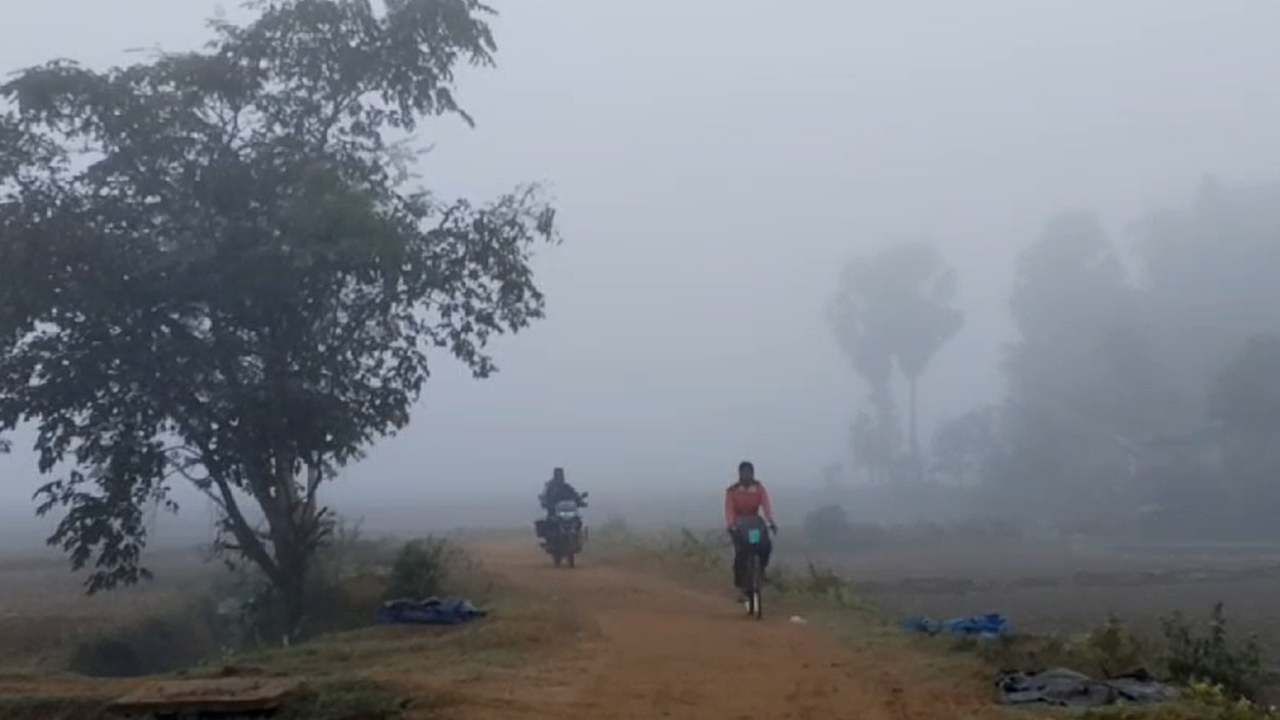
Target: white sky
{"points": [[715, 161]]}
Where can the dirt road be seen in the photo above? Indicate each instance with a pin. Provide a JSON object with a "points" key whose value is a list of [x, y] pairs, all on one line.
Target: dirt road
{"points": [[654, 648]]}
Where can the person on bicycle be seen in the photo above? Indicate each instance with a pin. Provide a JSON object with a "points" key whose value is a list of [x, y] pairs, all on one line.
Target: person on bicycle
{"points": [[744, 502]]}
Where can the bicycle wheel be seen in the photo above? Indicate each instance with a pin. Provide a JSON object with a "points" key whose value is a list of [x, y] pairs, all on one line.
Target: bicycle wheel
{"points": [[755, 577]]}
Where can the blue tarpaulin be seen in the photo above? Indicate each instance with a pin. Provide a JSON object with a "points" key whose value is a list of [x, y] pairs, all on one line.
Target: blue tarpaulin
{"points": [[432, 611], [988, 626]]}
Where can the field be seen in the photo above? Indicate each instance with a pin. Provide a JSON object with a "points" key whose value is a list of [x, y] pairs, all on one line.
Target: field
{"points": [[645, 623], [1069, 587], [1043, 587], [45, 614], [366, 673]]}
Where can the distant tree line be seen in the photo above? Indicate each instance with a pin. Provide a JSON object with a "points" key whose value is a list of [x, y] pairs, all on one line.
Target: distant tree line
{"points": [[1143, 383]]}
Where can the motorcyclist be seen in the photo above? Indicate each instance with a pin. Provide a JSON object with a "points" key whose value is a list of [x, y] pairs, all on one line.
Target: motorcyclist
{"points": [[744, 501], [559, 490]]}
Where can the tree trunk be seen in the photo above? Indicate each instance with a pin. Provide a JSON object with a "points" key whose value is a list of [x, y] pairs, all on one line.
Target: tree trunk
{"points": [[293, 599], [917, 467]]}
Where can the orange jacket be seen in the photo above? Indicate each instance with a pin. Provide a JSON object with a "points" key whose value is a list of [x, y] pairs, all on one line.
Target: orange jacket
{"points": [[740, 502]]}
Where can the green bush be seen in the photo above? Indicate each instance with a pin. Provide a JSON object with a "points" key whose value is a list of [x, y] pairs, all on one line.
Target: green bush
{"points": [[1211, 657], [420, 569], [1222, 705], [1108, 651], [344, 585], [816, 582], [1115, 650]]}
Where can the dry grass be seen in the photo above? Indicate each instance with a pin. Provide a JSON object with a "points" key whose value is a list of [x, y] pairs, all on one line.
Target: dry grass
{"points": [[45, 614], [371, 673], [1064, 588]]}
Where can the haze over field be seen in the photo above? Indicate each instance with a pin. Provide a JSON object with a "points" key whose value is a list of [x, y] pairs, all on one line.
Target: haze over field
{"points": [[714, 164]]}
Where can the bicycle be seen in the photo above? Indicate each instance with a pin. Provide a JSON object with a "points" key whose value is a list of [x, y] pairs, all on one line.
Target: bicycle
{"points": [[752, 538], [755, 575]]}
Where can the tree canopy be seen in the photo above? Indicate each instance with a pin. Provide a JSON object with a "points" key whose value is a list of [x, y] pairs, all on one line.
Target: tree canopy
{"points": [[893, 308], [213, 267], [1078, 362]]}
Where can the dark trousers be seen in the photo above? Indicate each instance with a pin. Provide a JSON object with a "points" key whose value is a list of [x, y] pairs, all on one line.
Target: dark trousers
{"points": [[742, 553]]}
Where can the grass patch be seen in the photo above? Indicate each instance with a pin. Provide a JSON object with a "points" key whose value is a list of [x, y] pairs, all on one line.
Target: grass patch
{"points": [[366, 673], [705, 557], [1106, 652], [513, 632], [33, 708], [1202, 701], [357, 699]]}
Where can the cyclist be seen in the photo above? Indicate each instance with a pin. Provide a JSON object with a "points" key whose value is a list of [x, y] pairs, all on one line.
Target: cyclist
{"points": [[744, 502]]}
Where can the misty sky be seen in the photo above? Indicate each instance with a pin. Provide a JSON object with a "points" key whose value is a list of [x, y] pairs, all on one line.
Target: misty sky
{"points": [[715, 161]]}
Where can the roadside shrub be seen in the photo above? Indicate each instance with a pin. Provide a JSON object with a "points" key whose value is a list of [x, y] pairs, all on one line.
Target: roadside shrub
{"points": [[1109, 651], [257, 618], [816, 581], [242, 611], [702, 552], [1116, 650], [1211, 657], [349, 578], [1223, 705], [823, 581], [343, 587], [420, 569]]}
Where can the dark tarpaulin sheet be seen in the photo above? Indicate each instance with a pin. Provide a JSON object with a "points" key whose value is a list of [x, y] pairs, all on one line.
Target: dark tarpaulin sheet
{"points": [[1066, 688], [431, 611]]}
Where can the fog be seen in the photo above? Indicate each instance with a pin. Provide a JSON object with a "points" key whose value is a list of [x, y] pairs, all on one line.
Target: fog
{"points": [[714, 165]]}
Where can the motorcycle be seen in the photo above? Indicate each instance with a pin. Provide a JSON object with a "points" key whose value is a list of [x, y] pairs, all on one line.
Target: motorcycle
{"points": [[564, 534]]}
